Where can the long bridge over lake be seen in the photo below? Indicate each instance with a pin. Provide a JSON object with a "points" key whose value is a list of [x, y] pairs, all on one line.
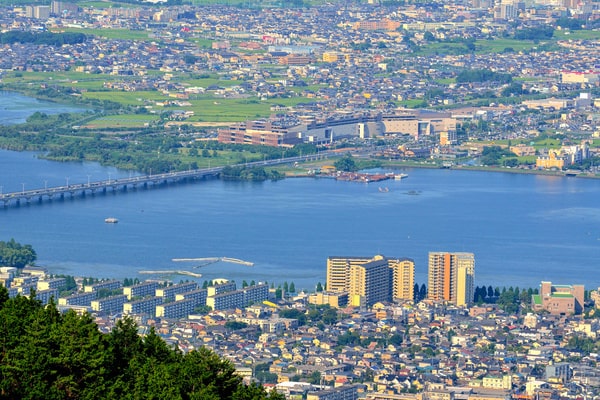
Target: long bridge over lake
{"points": [[121, 185]]}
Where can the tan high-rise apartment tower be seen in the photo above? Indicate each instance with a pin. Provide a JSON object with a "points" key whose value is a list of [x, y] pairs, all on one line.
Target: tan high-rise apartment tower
{"points": [[451, 277], [403, 278]]}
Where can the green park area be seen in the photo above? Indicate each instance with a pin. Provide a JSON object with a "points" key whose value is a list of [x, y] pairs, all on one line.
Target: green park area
{"points": [[577, 35], [113, 33], [480, 46], [123, 121]]}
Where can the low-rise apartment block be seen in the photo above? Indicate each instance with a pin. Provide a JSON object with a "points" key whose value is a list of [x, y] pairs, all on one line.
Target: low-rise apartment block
{"points": [[199, 296], [25, 281], [51, 284], [108, 285], [142, 306], [168, 293], [333, 299], [346, 392], [175, 309], [214, 290], [237, 298], [255, 293], [77, 299], [226, 301], [45, 295], [141, 290], [109, 305]]}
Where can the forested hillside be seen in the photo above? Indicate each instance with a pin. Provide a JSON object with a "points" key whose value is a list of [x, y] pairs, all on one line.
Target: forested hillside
{"points": [[48, 355]]}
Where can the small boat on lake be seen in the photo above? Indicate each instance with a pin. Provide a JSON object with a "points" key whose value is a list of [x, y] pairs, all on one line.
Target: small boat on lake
{"points": [[111, 220]]}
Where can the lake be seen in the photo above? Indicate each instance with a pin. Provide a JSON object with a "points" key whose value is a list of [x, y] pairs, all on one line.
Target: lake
{"points": [[15, 108], [522, 228]]}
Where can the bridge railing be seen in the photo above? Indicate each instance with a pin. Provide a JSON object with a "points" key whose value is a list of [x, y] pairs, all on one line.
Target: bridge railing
{"points": [[139, 179]]}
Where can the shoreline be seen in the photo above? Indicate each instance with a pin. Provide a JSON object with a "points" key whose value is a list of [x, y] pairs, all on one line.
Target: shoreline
{"points": [[396, 164]]}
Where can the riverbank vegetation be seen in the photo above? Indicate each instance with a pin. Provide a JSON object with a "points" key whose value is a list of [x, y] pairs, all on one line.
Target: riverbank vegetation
{"points": [[49, 355], [14, 254], [145, 150]]}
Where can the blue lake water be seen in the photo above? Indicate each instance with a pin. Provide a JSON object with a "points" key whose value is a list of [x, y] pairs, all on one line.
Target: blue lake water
{"points": [[15, 108], [522, 228]]}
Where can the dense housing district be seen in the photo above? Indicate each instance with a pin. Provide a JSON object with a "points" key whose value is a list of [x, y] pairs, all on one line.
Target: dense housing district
{"points": [[372, 332]]}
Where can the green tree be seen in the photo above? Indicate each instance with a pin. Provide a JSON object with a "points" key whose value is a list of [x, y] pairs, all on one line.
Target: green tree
{"points": [[235, 325], [293, 313], [346, 164], [13, 254], [330, 316]]}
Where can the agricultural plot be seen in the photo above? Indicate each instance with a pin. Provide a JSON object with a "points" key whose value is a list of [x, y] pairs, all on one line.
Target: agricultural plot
{"points": [[122, 121]]}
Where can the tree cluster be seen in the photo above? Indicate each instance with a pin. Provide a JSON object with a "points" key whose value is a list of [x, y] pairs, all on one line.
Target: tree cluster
{"points": [[47, 38], [240, 173], [48, 355], [13, 254], [535, 33], [419, 293], [346, 164], [491, 155], [482, 75], [508, 299]]}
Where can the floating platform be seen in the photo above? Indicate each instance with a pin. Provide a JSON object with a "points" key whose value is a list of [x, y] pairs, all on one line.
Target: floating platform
{"points": [[170, 272], [211, 260]]}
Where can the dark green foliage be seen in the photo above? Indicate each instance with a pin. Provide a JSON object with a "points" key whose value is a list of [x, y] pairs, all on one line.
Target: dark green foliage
{"points": [[492, 155], [261, 372], [349, 338], [346, 164], [239, 173], [395, 339], [48, 355], [293, 313], [48, 38], [329, 316], [514, 89], [13, 254], [482, 75], [572, 24], [537, 33], [235, 325]]}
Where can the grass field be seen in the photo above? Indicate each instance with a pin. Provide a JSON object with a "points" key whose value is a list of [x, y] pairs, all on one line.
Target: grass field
{"points": [[235, 110], [203, 43], [123, 34], [126, 98], [58, 77], [577, 35], [122, 121], [103, 4], [206, 109], [499, 45]]}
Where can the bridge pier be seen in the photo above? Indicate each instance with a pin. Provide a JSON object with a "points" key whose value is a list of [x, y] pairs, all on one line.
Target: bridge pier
{"points": [[77, 190]]}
